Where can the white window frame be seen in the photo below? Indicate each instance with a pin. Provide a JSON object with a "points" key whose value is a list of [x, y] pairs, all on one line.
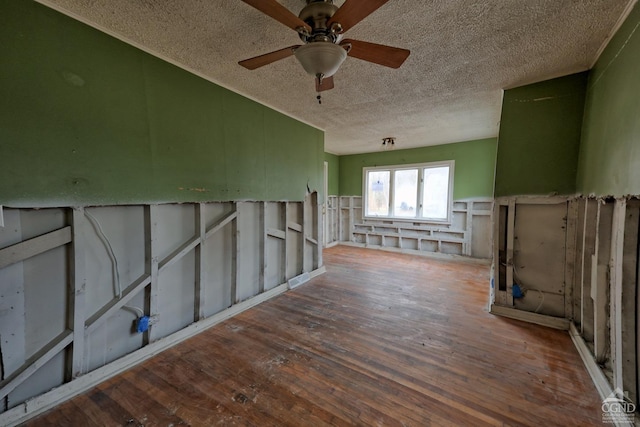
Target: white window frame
{"points": [[392, 169]]}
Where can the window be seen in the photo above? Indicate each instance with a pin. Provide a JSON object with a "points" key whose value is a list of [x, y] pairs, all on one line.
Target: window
{"points": [[417, 192]]}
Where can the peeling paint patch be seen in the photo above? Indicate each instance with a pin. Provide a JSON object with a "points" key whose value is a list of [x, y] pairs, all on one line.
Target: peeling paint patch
{"points": [[199, 190], [72, 78], [546, 98]]}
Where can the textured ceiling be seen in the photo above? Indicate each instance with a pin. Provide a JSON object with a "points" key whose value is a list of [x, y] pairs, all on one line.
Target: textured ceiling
{"points": [[463, 53]]}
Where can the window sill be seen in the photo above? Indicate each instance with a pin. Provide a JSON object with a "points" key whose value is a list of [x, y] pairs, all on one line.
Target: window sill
{"points": [[416, 221]]}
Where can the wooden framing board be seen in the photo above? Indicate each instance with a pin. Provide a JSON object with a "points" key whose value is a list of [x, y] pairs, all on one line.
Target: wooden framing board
{"points": [[35, 362], [615, 277], [75, 298], [12, 327], [599, 287], [262, 227], [318, 228], [599, 284], [466, 248], [235, 258], [570, 257], [597, 376], [114, 305], [629, 297], [32, 247], [284, 218], [578, 262], [511, 224], [582, 252], [152, 268], [200, 267], [527, 316], [181, 251], [540, 200], [279, 234], [499, 297], [222, 222], [590, 240], [304, 231], [295, 226]]}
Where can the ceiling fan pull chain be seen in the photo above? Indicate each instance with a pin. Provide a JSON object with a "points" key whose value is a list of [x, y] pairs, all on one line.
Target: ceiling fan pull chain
{"points": [[319, 78]]}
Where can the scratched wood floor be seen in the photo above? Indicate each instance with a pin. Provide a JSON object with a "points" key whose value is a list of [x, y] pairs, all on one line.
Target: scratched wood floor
{"points": [[380, 339]]}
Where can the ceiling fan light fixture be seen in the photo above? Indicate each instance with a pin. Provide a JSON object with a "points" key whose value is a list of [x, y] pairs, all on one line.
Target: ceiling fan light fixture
{"points": [[388, 143], [321, 58]]}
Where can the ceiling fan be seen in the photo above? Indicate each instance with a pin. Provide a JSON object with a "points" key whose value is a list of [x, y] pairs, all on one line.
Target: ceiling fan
{"points": [[320, 26]]}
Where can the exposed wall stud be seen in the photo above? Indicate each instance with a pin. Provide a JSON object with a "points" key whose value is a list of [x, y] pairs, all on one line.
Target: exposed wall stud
{"points": [[201, 271], [629, 298], [285, 246], [75, 295], [570, 258], [262, 227], [152, 269], [511, 220], [235, 256]]}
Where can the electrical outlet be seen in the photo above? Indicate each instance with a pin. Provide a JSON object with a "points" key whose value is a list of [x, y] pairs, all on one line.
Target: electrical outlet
{"points": [[142, 324]]}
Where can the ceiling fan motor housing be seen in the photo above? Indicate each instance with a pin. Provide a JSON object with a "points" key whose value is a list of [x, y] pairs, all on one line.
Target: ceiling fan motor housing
{"points": [[316, 14]]}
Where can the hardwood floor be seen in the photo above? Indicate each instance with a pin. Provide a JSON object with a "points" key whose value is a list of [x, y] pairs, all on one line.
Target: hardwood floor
{"points": [[380, 339]]}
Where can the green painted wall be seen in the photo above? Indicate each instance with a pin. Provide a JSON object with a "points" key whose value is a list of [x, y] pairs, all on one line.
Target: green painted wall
{"points": [[334, 173], [474, 167], [539, 137], [609, 162], [86, 119]]}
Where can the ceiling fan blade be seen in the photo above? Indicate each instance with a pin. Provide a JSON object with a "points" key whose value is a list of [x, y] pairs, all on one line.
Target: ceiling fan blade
{"points": [[327, 83], [354, 11], [279, 13], [268, 58], [377, 53]]}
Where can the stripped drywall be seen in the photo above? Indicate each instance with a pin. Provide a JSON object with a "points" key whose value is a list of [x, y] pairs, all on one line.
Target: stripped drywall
{"points": [[575, 259], [74, 281], [468, 234]]}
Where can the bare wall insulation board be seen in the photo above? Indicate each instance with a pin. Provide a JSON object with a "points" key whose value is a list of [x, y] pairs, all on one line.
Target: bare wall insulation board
{"points": [[218, 265], [539, 257], [249, 245], [97, 269]]}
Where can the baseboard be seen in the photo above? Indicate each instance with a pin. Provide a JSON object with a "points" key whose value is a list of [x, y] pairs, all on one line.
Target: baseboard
{"points": [[435, 255], [527, 316], [44, 402], [318, 271], [599, 378]]}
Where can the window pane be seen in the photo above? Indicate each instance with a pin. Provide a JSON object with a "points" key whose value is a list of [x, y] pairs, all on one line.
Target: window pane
{"points": [[405, 193], [378, 193], [436, 193]]}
